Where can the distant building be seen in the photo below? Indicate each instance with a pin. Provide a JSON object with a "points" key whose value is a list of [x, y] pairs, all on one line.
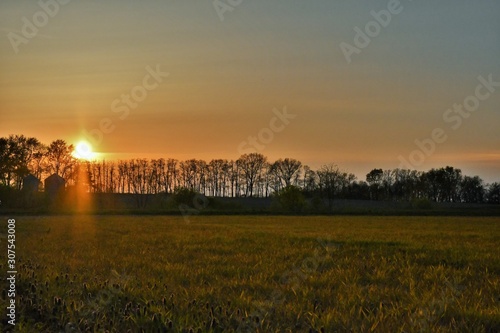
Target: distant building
{"points": [[31, 183], [54, 185]]}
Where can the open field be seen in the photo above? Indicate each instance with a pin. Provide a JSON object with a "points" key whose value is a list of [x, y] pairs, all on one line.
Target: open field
{"points": [[256, 274]]}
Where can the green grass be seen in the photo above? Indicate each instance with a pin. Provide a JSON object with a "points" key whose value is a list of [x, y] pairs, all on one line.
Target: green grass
{"points": [[257, 274]]}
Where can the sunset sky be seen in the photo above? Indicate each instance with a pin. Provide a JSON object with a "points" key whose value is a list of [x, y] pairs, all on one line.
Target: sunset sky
{"points": [[225, 78]]}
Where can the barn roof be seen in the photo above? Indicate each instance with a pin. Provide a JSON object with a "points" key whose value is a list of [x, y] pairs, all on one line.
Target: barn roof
{"points": [[30, 178], [54, 178]]}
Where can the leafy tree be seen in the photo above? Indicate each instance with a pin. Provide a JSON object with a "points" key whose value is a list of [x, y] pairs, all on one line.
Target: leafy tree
{"points": [[406, 183], [472, 189], [359, 190], [184, 196], [493, 195], [374, 179], [16, 154], [443, 185]]}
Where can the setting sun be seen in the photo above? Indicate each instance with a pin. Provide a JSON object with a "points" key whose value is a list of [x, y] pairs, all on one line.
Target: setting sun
{"points": [[83, 151]]}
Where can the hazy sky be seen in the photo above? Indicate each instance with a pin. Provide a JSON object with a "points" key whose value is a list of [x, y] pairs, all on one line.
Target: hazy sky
{"points": [[66, 69]]}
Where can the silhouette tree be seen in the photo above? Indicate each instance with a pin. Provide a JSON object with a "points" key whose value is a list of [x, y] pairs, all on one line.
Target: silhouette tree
{"points": [[329, 176], [345, 182], [374, 179], [359, 190], [472, 189], [286, 170], [290, 199], [60, 158], [234, 178], [16, 155], [250, 175], [170, 179], [4, 161], [443, 184], [493, 195], [215, 177], [406, 184], [310, 181], [251, 166]]}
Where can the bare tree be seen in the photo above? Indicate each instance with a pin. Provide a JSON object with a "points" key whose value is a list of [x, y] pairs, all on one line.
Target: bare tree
{"points": [[234, 177], [251, 166], [171, 179], [310, 181], [60, 158], [215, 177], [251, 175], [287, 169], [329, 179], [122, 175]]}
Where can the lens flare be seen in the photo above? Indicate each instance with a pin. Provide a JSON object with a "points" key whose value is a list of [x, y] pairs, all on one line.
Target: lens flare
{"points": [[83, 151]]}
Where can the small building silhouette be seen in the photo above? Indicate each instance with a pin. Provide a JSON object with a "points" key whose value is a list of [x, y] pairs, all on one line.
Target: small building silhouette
{"points": [[31, 184], [54, 185]]}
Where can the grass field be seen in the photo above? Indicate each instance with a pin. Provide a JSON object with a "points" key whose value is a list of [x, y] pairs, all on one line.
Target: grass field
{"points": [[256, 274]]}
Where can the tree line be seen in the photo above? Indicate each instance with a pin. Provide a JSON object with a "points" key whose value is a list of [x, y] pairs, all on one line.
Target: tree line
{"points": [[251, 175]]}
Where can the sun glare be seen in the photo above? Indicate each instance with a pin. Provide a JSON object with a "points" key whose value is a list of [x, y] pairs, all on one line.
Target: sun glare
{"points": [[83, 151]]}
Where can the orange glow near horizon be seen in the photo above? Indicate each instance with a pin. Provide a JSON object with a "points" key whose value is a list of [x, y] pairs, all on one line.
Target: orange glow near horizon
{"points": [[98, 73]]}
